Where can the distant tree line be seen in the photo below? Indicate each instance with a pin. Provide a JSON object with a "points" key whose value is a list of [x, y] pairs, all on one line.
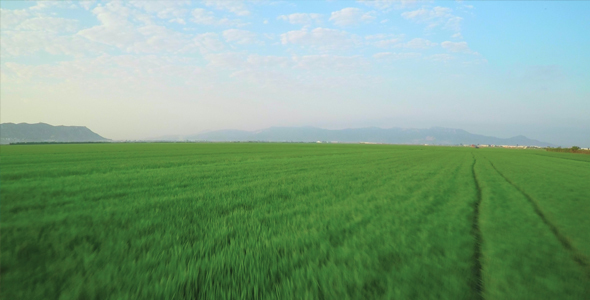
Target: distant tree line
{"points": [[574, 149], [46, 143]]}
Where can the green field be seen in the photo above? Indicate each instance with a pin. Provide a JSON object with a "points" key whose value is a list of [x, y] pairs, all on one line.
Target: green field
{"points": [[292, 221]]}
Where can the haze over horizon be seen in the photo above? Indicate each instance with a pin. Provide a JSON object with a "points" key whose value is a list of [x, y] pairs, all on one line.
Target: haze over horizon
{"points": [[136, 70]]}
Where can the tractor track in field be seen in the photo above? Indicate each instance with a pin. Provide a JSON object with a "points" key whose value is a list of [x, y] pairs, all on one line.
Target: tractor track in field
{"points": [[579, 258], [570, 159], [476, 232]]}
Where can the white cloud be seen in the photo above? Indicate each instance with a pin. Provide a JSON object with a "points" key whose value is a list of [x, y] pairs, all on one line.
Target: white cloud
{"points": [[262, 61], [273, 71], [387, 43], [228, 60], [117, 30], [254, 62], [351, 16], [129, 73], [204, 17], [120, 26], [457, 47], [396, 56], [454, 23], [383, 36], [387, 4], [242, 61], [157, 39], [63, 70], [27, 20], [10, 18], [424, 14], [457, 35], [17, 43], [323, 38], [478, 61], [42, 5], [437, 16], [240, 36], [419, 43], [440, 57], [26, 32], [208, 42], [235, 6], [170, 10], [87, 4], [330, 62], [145, 30], [379, 36], [395, 41], [267, 80], [316, 72], [301, 18], [178, 20], [48, 24]]}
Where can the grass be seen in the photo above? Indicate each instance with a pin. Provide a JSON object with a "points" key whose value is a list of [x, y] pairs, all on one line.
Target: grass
{"points": [[523, 258], [558, 185], [290, 221]]}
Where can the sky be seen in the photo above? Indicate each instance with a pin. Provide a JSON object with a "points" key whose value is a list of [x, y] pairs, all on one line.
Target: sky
{"points": [[132, 70]]}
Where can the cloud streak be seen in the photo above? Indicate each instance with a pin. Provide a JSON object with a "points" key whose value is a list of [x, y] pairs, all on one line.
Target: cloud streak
{"points": [[351, 16]]}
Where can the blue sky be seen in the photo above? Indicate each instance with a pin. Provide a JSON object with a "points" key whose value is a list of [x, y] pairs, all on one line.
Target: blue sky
{"points": [[133, 69]]}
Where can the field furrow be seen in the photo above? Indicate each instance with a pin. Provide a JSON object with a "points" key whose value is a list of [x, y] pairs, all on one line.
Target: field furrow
{"points": [[476, 232], [522, 257], [559, 187], [576, 255]]}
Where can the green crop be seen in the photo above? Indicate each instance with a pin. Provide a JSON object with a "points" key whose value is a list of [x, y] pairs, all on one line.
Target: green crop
{"points": [[292, 221], [523, 258]]}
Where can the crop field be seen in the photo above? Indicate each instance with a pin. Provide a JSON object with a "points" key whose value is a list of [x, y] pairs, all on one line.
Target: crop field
{"points": [[292, 221]]}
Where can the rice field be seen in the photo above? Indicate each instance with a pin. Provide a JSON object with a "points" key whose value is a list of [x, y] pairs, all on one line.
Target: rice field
{"points": [[292, 221]]}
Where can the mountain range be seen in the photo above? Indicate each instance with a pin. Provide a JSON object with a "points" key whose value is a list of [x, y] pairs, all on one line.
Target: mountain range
{"points": [[431, 136], [41, 133]]}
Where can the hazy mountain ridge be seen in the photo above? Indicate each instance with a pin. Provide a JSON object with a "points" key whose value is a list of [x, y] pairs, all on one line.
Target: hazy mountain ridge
{"points": [[431, 136], [41, 132]]}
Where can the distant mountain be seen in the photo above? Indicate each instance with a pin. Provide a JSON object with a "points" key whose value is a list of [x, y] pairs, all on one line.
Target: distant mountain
{"points": [[41, 132], [431, 136]]}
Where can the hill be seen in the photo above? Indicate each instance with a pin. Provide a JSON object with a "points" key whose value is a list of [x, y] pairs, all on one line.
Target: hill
{"points": [[41, 132], [431, 136]]}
